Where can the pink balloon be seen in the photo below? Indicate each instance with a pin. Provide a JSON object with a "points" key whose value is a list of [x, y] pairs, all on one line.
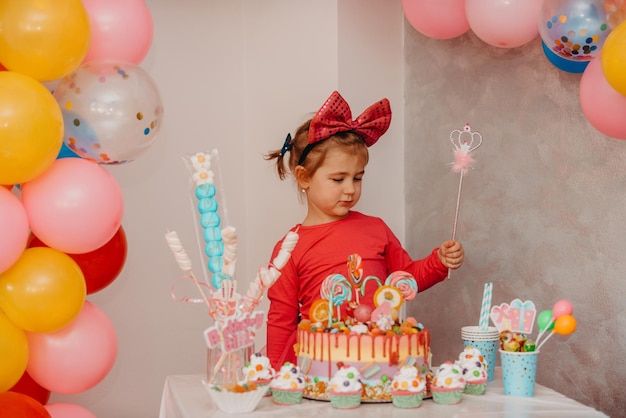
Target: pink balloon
{"points": [[120, 30], [75, 207], [13, 224], [78, 356], [439, 19], [68, 410], [562, 307], [602, 105], [504, 23]]}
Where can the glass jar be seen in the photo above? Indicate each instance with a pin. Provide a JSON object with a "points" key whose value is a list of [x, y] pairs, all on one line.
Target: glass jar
{"points": [[227, 368]]}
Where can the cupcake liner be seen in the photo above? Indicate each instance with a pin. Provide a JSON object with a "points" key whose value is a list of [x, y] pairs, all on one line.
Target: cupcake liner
{"points": [[477, 388], [345, 400], [405, 399], [235, 402], [287, 396], [445, 396]]}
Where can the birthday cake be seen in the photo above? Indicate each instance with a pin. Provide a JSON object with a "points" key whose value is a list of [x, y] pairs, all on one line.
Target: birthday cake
{"points": [[377, 342]]}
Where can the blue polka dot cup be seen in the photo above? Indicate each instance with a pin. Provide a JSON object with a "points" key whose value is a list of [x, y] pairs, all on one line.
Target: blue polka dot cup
{"points": [[486, 341], [519, 371]]}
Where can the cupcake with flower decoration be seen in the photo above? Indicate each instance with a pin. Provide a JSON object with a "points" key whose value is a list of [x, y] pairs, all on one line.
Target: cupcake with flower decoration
{"points": [[448, 384], [407, 388], [288, 385], [259, 370], [345, 388], [474, 369]]}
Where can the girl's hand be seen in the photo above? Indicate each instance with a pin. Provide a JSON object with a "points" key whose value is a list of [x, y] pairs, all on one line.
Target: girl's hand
{"points": [[451, 254]]}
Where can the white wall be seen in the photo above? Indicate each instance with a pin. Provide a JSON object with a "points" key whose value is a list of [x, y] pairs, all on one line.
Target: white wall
{"points": [[236, 76]]}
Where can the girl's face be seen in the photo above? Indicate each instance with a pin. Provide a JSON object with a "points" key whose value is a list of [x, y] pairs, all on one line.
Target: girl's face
{"points": [[335, 187]]}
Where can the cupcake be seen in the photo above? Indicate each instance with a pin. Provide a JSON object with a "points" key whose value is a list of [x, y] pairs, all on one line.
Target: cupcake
{"points": [[236, 399], [474, 369], [448, 384], [345, 388], [259, 370], [407, 388], [288, 385]]}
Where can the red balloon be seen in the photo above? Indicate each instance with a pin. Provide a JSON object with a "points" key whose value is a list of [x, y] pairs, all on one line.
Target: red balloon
{"points": [[101, 266], [18, 405], [27, 386]]}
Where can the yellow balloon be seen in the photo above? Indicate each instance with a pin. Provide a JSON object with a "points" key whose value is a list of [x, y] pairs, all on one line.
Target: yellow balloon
{"points": [[43, 291], [13, 352], [613, 58], [45, 39], [31, 128]]}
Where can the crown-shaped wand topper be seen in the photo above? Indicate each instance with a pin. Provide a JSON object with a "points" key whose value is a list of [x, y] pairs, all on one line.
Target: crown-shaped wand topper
{"points": [[464, 142]]}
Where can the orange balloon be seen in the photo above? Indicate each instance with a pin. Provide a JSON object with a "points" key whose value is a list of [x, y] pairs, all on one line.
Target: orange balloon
{"points": [[43, 291], [45, 39], [31, 128], [13, 351], [565, 325]]}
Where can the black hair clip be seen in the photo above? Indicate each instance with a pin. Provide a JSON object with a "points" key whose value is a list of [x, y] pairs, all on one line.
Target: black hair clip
{"points": [[286, 146]]}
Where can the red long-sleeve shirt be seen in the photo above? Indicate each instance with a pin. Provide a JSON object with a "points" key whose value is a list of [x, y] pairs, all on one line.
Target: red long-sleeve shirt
{"points": [[323, 250]]}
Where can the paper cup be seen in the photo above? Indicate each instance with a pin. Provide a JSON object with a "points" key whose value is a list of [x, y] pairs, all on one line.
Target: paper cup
{"points": [[486, 341], [519, 371]]}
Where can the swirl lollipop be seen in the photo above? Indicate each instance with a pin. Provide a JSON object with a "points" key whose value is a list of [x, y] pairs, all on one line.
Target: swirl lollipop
{"points": [[405, 282], [355, 272], [337, 289]]}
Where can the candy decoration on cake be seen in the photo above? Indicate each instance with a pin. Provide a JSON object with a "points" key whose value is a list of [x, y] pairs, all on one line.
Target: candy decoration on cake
{"points": [[367, 279], [337, 290], [355, 273], [405, 282], [236, 320], [464, 142]]}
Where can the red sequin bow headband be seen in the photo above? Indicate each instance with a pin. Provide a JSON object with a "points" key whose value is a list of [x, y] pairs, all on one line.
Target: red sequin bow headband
{"points": [[335, 116]]}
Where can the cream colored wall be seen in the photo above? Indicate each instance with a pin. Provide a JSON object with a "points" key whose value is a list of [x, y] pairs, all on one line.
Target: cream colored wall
{"points": [[236, 76]]}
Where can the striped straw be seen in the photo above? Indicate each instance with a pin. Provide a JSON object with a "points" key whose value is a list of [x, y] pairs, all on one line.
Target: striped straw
{"points": [[483, 324]]}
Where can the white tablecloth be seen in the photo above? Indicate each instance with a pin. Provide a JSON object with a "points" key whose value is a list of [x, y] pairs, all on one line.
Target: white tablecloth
{"points": [[184, 396]]}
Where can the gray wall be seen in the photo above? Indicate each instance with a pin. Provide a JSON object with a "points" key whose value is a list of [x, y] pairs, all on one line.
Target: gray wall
{"points": [[541, 212]]}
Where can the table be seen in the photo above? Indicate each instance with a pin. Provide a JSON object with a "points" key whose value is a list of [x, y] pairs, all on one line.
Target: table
{"points": [[184, 396]]}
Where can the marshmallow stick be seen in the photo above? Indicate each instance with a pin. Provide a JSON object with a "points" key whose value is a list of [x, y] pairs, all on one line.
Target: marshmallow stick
{"points": [[267, 276], [229, 238], [183, 260]]}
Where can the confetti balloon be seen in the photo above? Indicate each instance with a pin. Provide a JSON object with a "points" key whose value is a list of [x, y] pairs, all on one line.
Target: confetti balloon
{"points": [[544, 321], [562, 307], [111, 109], [565, 325], [574, 29]]}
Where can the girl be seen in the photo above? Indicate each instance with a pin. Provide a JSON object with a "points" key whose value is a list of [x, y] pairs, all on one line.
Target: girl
{"points": [[327, 158]]}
